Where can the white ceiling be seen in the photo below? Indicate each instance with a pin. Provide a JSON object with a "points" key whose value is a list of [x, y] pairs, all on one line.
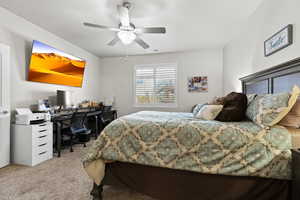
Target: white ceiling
{"points": [[191, 24]]}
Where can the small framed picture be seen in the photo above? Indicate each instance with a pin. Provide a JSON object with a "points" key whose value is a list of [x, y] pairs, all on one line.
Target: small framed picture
{"points": [[198, 84], [279, 40]]}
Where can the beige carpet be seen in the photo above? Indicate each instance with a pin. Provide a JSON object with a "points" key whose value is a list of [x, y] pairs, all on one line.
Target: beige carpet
{"points": [[57, 179]]}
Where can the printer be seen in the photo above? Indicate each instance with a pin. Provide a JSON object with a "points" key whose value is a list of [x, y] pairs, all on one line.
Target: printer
{"points": [[24, 116]]}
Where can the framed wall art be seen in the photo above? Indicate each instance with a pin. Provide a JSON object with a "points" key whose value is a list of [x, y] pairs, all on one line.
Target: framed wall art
{"points": [[279, 40], [198, 84]]}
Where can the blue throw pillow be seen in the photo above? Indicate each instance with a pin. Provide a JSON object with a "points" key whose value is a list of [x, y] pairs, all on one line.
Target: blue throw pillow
{"points": [[198, 108]]}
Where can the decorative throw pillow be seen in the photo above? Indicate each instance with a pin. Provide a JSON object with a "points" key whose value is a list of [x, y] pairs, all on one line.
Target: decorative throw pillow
{"points": [[251, 97], [217, 101], [296, 108], [209, 112], [268, 110], [290, 120], [197, 108], [234, 108]]}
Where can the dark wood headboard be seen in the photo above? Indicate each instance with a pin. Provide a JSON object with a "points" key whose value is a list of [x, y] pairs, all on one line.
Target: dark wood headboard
{"points": [[280, 78]]}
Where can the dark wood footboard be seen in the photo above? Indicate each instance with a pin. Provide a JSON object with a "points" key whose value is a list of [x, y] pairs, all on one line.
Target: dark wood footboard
{"points": [[296, 174]]}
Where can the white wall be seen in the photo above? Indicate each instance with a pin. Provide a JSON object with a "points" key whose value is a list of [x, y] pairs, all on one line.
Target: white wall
{"points": [[118, 77], [18, 34], [245, 54]]}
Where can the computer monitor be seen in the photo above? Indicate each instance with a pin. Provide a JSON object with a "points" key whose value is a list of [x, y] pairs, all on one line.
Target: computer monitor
{"points": [[64, 99]]}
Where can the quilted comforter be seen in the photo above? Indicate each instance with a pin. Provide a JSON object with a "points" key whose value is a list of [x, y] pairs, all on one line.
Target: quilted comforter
{"points": [[179, 141]]}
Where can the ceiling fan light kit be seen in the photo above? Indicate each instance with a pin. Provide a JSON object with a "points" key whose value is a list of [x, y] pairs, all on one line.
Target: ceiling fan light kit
{"points": [[126, 37], [127, 33]]}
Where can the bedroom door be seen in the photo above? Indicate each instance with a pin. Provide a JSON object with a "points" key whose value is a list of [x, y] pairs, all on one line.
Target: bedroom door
{"points": [[4, 106]]}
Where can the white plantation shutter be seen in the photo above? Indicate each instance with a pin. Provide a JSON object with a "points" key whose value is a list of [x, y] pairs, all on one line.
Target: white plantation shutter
{"points": [[155, 85]]}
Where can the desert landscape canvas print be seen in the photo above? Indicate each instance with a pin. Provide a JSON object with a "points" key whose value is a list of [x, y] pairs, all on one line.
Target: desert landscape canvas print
{"points": [[49, 65]]}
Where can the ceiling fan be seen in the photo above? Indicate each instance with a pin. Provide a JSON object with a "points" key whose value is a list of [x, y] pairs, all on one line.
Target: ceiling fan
{"points": [[127, 33]]}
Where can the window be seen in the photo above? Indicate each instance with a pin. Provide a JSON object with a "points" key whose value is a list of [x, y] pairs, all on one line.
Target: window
{"points": [[156, 85]]}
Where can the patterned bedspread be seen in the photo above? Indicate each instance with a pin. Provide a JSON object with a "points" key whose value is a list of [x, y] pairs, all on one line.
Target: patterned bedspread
{"points": [[179, 141]]}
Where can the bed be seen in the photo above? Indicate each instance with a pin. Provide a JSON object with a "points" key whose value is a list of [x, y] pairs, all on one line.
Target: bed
{"points": [[164, 177]]}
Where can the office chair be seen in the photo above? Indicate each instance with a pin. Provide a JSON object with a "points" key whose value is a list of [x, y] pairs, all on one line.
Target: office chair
{"points": [[78, 130], [106, 117]]}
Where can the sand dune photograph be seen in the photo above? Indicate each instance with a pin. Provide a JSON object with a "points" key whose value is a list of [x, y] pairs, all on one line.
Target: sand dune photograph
{"points": [[49, 65]]}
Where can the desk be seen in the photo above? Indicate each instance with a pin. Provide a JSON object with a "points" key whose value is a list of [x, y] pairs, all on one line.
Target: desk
{"points": [[58, 120], [57, 123]]}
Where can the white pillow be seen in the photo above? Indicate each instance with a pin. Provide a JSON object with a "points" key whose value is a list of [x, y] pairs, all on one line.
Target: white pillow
{"points": [[209, 112]]}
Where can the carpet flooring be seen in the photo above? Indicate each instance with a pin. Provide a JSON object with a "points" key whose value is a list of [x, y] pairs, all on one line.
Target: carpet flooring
{"points": [[57, 179]]}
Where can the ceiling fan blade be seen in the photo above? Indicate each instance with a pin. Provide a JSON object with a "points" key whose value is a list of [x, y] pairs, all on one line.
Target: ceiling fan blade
{"points": [[151, 30], [141, 43], [100, 26], [124, 15], [114, 41]]}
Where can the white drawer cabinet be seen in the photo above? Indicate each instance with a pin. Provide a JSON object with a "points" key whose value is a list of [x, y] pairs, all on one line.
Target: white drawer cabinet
{"points": [[32, 144]]}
